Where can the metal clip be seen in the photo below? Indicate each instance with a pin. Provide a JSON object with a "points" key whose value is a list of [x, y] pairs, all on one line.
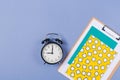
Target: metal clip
{"points": [[111, 32]]}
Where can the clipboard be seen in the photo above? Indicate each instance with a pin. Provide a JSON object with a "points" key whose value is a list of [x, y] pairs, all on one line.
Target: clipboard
{"points": [[95, 55]]}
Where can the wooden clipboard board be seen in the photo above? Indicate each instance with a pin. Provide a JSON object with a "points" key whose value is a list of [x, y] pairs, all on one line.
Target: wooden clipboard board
{"points": [[95, 55]]}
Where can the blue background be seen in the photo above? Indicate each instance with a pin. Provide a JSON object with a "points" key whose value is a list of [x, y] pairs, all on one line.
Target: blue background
{"points": [[24, 23]]}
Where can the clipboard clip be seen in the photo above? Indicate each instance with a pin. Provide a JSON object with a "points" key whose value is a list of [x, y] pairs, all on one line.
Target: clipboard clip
{"points": [[111, 32]]}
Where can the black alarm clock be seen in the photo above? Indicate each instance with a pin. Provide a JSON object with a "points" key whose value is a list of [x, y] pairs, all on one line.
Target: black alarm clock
{"points": [[52, 51]]}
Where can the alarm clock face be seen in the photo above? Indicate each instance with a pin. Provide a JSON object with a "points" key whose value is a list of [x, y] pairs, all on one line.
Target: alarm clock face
{"points": [[52, 53]]}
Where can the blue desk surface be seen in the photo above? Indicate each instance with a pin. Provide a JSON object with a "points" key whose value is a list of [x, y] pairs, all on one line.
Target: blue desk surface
{"points": [[24, 23]]}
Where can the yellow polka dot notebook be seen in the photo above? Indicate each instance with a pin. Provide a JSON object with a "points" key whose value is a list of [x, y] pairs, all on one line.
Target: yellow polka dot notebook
{"points": [[95, 56]]}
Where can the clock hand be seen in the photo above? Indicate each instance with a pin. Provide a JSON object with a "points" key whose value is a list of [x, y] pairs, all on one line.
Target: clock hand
{"points": [[52, 49], [49, 53]]}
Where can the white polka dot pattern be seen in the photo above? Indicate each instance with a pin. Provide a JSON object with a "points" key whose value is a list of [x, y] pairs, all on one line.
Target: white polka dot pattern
{"points": [[92, 61]]}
